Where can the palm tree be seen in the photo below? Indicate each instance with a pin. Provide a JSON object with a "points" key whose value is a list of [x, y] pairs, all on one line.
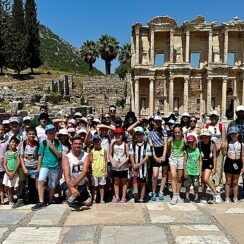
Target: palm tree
{"points": [[108, 48], [125, 54], [89, 53]]}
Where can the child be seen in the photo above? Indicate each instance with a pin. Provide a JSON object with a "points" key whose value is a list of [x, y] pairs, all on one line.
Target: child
{"points": [[99, 167], [11, 164], [119, 160], [208, 152], [192, 167], [176, 151], [3, 147], [139, 155], [29, 161], [234, 152], [63, 136]]}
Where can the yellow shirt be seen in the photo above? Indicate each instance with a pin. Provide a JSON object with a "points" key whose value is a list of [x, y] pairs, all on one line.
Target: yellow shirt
{"points": [[98, 163]]}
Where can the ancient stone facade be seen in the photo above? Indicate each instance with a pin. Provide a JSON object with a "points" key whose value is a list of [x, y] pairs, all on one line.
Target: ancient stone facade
{"points": [[102, 91], [202, 66]]}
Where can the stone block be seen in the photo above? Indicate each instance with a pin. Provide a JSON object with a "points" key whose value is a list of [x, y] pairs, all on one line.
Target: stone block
{"points": [[208, 239], [9, 217]]}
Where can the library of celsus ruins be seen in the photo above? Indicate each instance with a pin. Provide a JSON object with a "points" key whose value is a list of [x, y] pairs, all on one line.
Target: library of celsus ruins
{"points": [[195, 67]]}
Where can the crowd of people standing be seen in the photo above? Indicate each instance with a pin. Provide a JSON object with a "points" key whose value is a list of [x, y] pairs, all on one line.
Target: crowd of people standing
{"points": [[86, 160]]}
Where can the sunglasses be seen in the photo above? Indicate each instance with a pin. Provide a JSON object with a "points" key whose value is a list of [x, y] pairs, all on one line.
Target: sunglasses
{"points": [[193, 120], [107, 117], [112, 110]]}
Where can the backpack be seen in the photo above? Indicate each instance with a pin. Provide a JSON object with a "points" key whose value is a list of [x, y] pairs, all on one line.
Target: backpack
{"points": [[25, 144], [219, 124], [56, 144]]}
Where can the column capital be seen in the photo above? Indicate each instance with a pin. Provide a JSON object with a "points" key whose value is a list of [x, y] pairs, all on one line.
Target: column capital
{"points": [[209, 79], [171, 79], [186, 79], [136, 80], [210, 32], [187, 32], [152, 79], [225, 79]]}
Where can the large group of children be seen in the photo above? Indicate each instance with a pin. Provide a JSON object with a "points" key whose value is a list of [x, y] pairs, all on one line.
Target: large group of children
{"points": [[126, 158]]}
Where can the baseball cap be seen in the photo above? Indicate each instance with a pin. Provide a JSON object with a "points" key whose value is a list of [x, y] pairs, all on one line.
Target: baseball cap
{"points": [[240, 108], [96, 137], [191, 138], [205, 132], [82, 130], [72, 121], [13, 119], [171, 121], [97, 121], [139, 130], [213, 112], [77, 114], [186, 114], [233, 130], [5, 122], [26, 118], [50, 127], [119, 130], [156, 117], [63, 132]]}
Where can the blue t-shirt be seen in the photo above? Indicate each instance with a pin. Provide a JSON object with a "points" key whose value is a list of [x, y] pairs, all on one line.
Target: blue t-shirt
{"points": [[50, 159]]}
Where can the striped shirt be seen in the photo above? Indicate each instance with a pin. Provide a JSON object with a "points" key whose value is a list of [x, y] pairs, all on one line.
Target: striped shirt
{"points": [[156, 138]]}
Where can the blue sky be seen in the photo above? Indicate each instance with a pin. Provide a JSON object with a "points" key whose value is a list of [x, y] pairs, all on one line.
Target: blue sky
{"points": [[79, 20]]}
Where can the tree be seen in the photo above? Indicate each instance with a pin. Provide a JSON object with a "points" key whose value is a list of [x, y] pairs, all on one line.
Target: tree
{"points": [[108, 48], [89, 53], [125, 54], [33, 38], [16, 46]]}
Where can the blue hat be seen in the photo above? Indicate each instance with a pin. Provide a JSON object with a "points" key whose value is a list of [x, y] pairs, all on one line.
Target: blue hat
{"points": [[50, 127], [96, 137], [233, 130]]}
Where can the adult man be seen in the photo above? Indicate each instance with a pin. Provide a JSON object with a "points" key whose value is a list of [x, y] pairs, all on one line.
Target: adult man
{"points": [[43, 110], [75, 167], [50, 153]]}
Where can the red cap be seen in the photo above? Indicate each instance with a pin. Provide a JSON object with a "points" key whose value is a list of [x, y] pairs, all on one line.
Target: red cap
{"points": [[119, 130], [191, 138]]}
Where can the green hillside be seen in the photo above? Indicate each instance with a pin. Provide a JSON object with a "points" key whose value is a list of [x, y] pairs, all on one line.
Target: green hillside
{"points": [[58, 54]]}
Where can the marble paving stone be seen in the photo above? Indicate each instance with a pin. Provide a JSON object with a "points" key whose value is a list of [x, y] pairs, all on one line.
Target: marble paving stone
{"points": [[40, 235], [12, 217], [50, 215], [235, 211], [108, 214], [133, 235], [182, 207], [155, 205], [208, 239], [78, 234], [202, 227], [197, 218], [2, 231], [158, 217]]}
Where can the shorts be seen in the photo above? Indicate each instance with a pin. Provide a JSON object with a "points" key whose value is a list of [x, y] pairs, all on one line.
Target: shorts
{"points": [[52, 175], [98, 181], [11, 183], [191, 180], [232, 166], [84, 194], [176, 161], [207, 164], [2, 174], [159, 152], [120, 174]]}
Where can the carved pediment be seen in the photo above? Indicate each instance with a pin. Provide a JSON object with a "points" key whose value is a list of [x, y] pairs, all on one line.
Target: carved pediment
{"points": [[162, 20]]}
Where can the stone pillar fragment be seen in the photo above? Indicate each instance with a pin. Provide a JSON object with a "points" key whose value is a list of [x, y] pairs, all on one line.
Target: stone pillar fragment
{"points": [[226, 44], [137, 95], [165, 96], [137, 46], [242, 101], [187, 46], [223, 103], [201, 97], [152, 48], [235, 98], [209, 95], [186, 95], [171, 57], [151, 97], [171, 94], [210, 46]]}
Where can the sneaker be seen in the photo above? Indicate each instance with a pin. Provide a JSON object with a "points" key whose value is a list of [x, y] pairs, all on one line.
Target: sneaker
{"points": [[141, 201], [196, 200], [38, 206], [19, 203], [227, 200], [187, 200], [123, 200], [235, 200], [161, 196], [102, 202], [204, 200], [217, 199], [154, 197], [174, 200], [180, 200], [74, 205], [11, 204], [115, 200]]}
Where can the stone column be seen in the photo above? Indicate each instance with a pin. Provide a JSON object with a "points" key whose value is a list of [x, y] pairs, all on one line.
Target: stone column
{"points": [[223, 103], [187, 46], [171, 56], [186, 85], [152, 48], [171, 94], [201, 97], [132, 95], [137, 45], [210, 46], [209, 95], [137, 96], [151, 97], [226, 41], [235, 98], [242, 101], [165, 96]]}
